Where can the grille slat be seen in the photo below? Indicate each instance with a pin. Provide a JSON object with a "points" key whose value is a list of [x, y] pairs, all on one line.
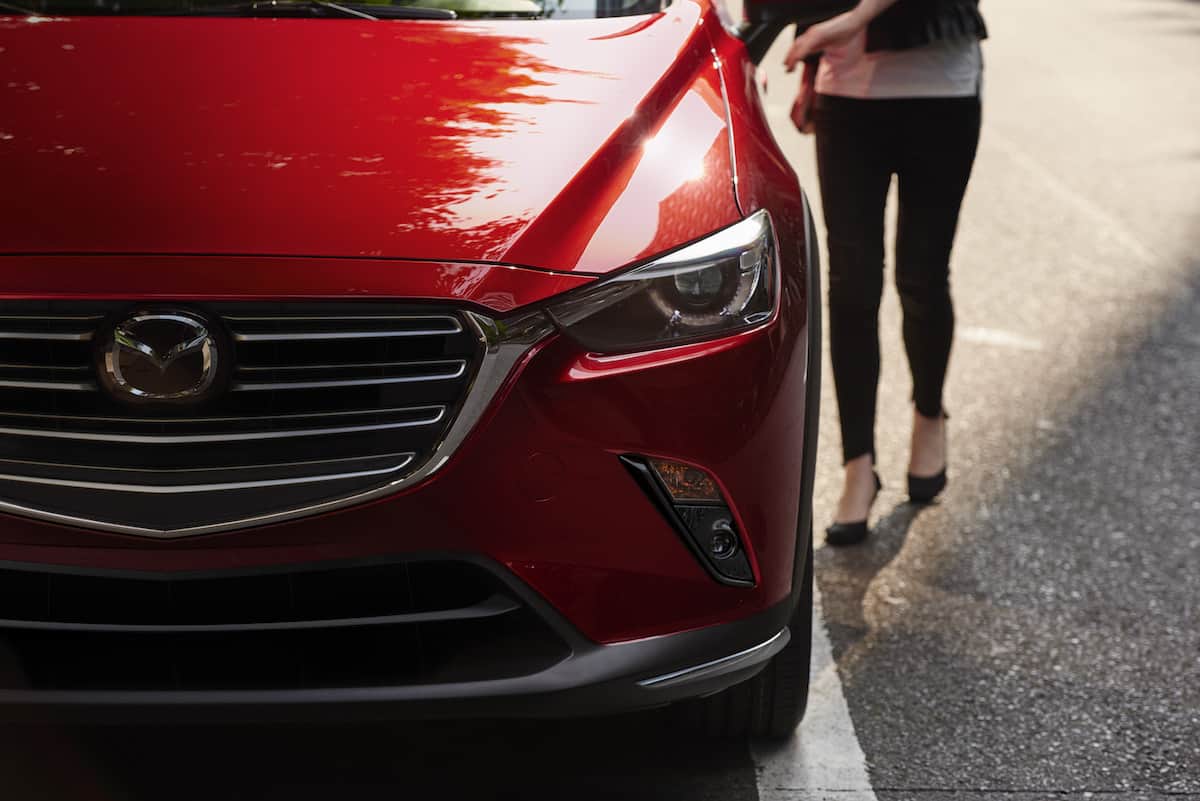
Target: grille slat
{"points": [[300, 336], [225, 436], [449, 321], [59, 386], [79, 368], [304, 328], [189, 489], [48, 317], [178, 421], [444, 371], [311, 383], [301, 368], [51, 336], [168, 471]]}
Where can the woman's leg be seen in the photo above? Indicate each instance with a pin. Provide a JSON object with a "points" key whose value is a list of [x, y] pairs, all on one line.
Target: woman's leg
{"points": [[854, 161], [853, 156], [939, 138]]}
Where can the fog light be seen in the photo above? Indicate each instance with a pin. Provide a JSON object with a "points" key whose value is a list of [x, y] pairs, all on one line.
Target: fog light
{"points": [[711, 528], [722, 542], [691, 501]]}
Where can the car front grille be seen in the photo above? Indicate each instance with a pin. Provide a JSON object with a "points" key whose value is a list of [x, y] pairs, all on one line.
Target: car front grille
{"points": [[367, 624], [326, 401]]}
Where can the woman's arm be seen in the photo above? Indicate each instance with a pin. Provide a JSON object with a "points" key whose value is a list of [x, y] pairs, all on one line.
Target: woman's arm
{"points": [[835, 32]]}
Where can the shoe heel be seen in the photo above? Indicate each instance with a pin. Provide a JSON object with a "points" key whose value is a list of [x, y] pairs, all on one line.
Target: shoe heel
{"points": [[923, 489], [841, 534]]}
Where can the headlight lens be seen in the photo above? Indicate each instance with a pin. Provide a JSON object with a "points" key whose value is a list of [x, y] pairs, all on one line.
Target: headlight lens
{"points": [[723, 283]]}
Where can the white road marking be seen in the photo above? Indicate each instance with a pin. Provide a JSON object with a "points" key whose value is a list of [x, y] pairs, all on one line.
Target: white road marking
{"points": [[998, 338], [824, 761]]}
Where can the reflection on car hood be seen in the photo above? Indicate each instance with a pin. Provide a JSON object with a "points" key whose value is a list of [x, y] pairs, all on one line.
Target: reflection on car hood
{"points": [[572, 145]]}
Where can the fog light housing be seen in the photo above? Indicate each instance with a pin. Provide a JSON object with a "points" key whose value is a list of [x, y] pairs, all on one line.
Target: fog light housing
{"points": [[691, 501]]}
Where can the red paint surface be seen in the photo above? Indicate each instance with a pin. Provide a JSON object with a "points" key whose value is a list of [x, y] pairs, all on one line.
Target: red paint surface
{"points": [[497, 288], [521, 143], [765, 179]]}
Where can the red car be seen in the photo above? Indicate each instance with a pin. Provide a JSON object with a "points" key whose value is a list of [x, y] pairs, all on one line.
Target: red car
{"points": [[413, 361]]}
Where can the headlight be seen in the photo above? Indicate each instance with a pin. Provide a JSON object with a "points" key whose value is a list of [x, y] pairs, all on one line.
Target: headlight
{"points": [[724, 283]]}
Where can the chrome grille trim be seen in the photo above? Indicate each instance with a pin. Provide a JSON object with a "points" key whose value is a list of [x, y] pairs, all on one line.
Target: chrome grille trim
{"points": [[65, 386], [168, 471], [192, 420], [47, 336], [502, 350], [330, 383], [78, 318], [246, 436], [187, 489], [454, 326], [291, 327], [258, 368], [301, 336]]}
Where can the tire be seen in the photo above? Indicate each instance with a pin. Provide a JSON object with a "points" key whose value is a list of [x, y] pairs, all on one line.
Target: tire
{"points": [[772, 704]]}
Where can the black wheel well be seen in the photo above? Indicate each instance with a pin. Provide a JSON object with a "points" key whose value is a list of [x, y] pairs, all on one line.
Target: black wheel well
{"points": [[812, 395]]}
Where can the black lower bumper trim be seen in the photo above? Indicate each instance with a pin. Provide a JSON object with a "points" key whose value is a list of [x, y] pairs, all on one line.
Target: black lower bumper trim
{"points": [[599, 679], [588, 679]]}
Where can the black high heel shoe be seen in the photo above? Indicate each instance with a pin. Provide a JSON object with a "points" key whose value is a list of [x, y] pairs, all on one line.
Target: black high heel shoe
{"points": [[923, 489], [839, 534]]}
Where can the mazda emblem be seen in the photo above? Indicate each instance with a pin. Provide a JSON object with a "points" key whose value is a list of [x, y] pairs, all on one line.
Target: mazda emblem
{"points": [[160, 356]]}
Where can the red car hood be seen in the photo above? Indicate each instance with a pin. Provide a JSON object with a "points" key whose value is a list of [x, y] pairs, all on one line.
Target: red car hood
{"points": [[563, 145]]}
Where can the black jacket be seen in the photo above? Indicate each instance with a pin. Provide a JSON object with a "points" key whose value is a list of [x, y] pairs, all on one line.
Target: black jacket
{"points": [[913, 23]]}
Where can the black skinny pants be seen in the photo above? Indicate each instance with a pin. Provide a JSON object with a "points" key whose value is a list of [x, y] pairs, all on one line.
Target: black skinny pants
{"points": [[929, 144]]}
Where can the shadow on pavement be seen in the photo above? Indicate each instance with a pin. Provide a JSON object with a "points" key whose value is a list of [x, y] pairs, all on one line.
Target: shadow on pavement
{"points": [[845, 574], [629, 757], [1038, 630]]}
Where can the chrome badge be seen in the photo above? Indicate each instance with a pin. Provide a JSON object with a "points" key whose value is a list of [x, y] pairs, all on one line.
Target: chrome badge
{"points": [[164, 355]]}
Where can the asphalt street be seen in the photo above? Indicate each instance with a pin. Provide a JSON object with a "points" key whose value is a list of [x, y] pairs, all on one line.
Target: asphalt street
{"points": [[1034, 635]]}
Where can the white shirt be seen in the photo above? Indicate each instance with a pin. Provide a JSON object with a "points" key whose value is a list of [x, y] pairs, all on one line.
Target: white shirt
{"points": [[940, 69]]}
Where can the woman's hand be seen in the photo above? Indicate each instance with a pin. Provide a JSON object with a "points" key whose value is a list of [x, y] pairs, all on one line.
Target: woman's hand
{"points": [[802, 107], [835, 32]]}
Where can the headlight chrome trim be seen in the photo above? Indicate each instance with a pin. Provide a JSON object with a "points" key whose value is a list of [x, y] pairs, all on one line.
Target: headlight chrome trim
{"points": [[725, 251]]}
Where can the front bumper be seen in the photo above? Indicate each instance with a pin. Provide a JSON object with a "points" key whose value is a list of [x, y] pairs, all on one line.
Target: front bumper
{"points": [[539, 487], [588, 679]]}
